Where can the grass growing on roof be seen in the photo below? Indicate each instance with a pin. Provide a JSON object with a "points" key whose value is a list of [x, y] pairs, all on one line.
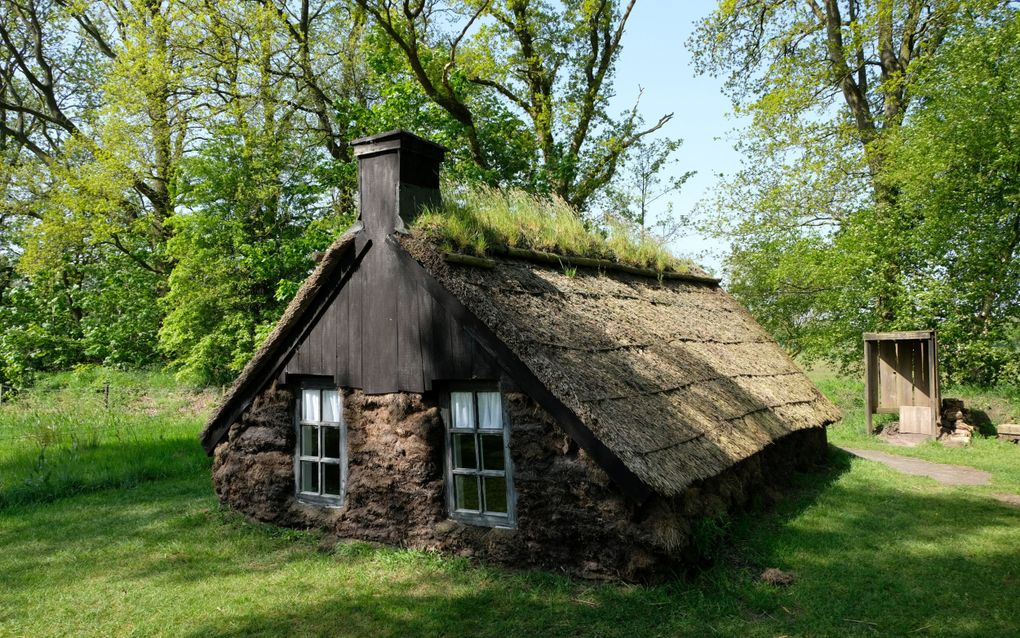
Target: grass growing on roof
{"points": [[476, 219]]}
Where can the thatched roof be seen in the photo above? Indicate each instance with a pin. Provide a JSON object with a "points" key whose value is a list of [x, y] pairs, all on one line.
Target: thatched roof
{"points": [[674, 376], [671, 375]]}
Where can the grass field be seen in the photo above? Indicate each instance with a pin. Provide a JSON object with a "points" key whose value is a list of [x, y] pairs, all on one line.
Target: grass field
{"points": [[141, 547]]}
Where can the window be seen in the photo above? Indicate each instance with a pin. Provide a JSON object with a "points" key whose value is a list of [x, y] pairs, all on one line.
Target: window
{"points": [[320, 465], [479, 486]]}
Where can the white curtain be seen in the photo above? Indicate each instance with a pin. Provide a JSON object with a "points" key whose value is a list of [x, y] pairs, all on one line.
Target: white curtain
{"points": [[310, 405], [490, 411], [461, 410], [331, 406]]}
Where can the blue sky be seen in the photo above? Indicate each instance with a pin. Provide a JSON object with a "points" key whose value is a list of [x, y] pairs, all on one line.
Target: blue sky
{"points": [[655, 58]]}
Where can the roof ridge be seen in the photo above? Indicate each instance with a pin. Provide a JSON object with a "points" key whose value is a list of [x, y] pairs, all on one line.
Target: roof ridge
{"points": [[545, 257]]}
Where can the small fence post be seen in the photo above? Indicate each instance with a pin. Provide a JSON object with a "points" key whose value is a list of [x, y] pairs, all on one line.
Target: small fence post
{"points": [[1, 394], [106, 395]]}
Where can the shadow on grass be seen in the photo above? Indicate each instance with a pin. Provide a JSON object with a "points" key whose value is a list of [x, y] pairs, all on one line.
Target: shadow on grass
{"points": [[980, 420], [873, 554]]}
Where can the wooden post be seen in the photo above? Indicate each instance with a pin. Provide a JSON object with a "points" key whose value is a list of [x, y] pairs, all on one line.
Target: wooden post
{"points": [[933, 381], [868, 371], [106, 395]]}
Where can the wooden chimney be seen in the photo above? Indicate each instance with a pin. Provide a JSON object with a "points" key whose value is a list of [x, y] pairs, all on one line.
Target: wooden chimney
{"points": [[398, 175]]}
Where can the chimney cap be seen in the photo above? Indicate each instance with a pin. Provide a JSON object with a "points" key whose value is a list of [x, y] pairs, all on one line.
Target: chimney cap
{"points": [[397, 139]]}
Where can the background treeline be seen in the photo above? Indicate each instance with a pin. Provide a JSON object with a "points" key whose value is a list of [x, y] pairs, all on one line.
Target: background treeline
{"points": [[169, 166], [881, 186]]}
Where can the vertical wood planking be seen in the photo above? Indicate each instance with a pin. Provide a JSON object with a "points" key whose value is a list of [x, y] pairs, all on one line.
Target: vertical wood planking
{"points": [[409, 359], [426, 318], [922, 394], [355, 340], [330, 341], [905, 373], [379, 364], [341, 311], [887, 374]]}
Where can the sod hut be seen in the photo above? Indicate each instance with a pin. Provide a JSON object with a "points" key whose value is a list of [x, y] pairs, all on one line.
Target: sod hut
{"points": [[521, 408]]}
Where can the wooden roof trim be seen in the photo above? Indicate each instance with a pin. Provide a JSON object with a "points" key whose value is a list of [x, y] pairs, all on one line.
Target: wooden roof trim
{"points": [[524, 377], [268, 362], [899, 336], [542, 257]]}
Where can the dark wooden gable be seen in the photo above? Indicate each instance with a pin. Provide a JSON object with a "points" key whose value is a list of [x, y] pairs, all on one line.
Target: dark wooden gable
{"points": [[384, 332]]}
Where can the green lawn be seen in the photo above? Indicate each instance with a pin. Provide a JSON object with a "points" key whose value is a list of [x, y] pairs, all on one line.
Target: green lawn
{"points": [[874, 553], [995, 406]]}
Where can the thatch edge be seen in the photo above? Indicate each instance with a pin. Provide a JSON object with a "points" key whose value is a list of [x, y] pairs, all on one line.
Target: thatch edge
{"points": [[245, 387]]}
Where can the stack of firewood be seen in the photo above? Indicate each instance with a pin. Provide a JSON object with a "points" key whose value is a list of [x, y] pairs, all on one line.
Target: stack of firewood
{"points": [[955, 430]]}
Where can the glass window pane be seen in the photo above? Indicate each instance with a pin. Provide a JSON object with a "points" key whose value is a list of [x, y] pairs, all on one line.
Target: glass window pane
{"points": [[310, 405], [495, 494], [461, 410], [490, 410], [330, 442], [309, 476], [464, 452], [331, 406], [309, 440], [466, 492], [492, 452], [331, 479]]}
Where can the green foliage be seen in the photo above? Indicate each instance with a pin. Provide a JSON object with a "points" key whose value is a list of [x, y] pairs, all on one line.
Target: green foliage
{"points": [[892, 211], [61, 438], [474, 218], [96, 308], [957, 167], [257, 213]]}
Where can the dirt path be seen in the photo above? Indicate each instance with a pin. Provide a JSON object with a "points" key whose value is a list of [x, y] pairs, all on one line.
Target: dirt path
{"points": [[941, 472]]}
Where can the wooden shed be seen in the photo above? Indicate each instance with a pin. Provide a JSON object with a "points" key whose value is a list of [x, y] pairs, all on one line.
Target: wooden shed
{"points": [[581, 419], [901, 377]]}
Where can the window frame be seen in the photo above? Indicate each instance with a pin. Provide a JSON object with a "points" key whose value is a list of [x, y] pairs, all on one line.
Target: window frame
{"points": [[318, 498], [481, 517]]}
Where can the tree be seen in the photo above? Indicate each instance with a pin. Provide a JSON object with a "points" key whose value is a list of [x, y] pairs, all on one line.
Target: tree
{"points": [[642, 183], [956, 166], [551, 63], [825, 83], [836, 221]]}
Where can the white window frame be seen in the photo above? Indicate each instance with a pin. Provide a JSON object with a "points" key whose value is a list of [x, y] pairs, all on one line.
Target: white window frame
{"points": [[481, 516], [320, 461]]}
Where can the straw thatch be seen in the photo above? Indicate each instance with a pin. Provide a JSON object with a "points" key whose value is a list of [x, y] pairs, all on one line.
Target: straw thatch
{"points": [[675, 377]]}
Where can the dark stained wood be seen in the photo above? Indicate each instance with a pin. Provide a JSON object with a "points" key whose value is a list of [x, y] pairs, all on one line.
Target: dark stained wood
{"points": [[355, 334], [380, 360], [284, 348], [410, 373], [426, 307]]}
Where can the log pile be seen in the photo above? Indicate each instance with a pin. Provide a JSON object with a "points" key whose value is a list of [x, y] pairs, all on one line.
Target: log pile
{"points": [[956, 431]]}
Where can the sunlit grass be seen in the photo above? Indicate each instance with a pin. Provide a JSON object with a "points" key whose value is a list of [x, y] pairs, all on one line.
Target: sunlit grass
{"points": [[874, 552], [1001, 458], [475, 219], [98, 428]]}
